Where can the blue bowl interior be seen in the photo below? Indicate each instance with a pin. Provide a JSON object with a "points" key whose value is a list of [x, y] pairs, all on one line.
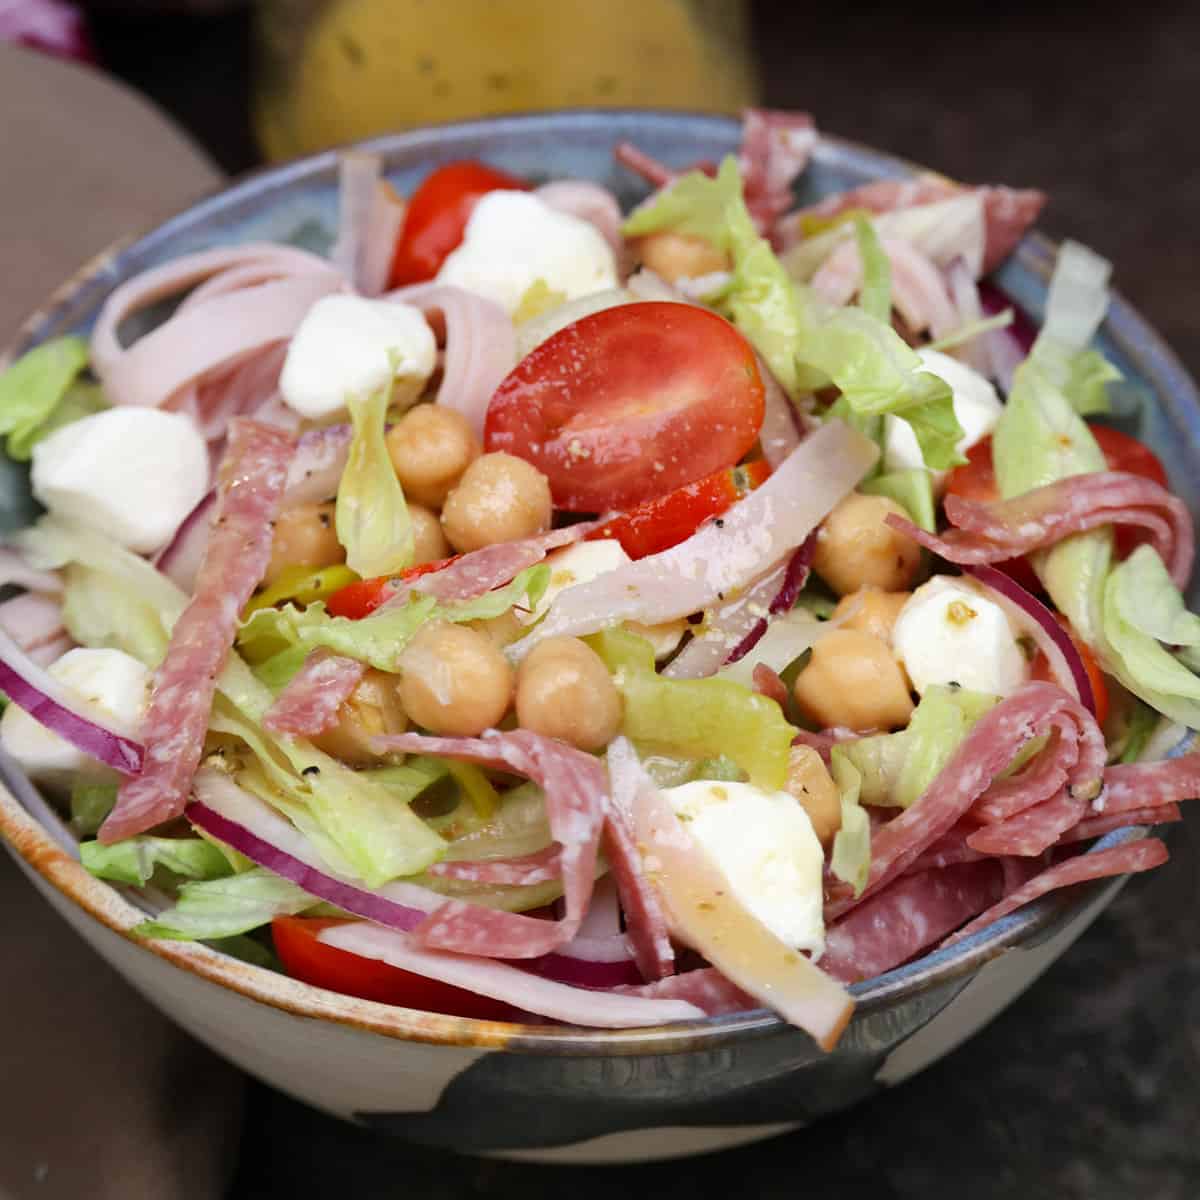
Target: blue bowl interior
{"points": [[297, 203]]}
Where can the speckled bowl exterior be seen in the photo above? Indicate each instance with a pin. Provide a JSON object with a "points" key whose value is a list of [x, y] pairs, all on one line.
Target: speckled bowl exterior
{"points": [[541, 1092]]}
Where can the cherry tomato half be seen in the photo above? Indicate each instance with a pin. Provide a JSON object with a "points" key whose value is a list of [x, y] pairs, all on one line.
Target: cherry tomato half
{"points": [[312, 961], [659, 524], [437, 215], [1041, 670], [629, 404], [364, 596]]}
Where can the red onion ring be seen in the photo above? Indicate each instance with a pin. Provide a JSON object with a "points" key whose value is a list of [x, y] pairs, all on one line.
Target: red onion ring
{"points": [[45, 699], [1034, 618], [794, 579], [180, 559]]}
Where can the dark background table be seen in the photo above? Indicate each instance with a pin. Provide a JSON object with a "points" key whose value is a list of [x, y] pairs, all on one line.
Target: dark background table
{"points": [[1088, 1088]]}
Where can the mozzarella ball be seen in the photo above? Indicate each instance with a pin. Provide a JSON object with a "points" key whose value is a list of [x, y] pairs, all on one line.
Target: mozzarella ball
{"points": [[131, 473]]}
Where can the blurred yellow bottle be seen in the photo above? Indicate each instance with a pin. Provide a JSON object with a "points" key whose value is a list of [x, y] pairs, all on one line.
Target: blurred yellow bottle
{"points": [[332, 71]]}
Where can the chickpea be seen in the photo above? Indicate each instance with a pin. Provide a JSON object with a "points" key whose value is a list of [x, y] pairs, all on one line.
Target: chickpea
{"points": [[502, 630], [873, 611], [853, 680], [565, 691], [454, 680], [856, 548], [498, 499], [373, 708], [429, 542], [810, 782], [304, 536], [681, 255], [430, 447]]}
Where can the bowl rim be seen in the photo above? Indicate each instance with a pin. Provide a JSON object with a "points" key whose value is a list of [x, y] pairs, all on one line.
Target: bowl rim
{"points": [[47, 851]]}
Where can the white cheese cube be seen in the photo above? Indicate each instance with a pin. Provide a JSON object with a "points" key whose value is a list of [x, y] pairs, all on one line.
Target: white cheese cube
{"points": [[113, 682], [976, 405], [348, 345], [513, 239], [946, 633], [765, 845], [131, 473]]}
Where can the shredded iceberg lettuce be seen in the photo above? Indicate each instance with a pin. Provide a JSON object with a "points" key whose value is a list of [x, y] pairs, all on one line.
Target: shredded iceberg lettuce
{"points": [[221, 908], [371, 516], [695, 718], [39, 393], [136, 859], [912, 489], [875, 295], [806, 343], [850, 860]]}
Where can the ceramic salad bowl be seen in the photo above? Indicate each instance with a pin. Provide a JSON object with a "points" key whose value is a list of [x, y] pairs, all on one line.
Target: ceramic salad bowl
{"points": [[544, 1092]]}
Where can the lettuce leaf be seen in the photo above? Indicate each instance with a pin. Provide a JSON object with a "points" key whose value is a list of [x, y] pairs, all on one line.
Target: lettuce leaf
{"points": [[912, 489], [875, 295], [221, 908], [695, 718], [90, 805], [894, 769], [806, 343], [136, 859], [850, 859], [371, 515], [379, 639], [33, 388]]}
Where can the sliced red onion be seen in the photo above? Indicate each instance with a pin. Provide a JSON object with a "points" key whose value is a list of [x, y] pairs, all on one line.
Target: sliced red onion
{"points": [[180, 559], [316, 468], [254, 829], [1022, 330], [795, 576], [44, 698], [14, 570], [358, 174], [33, 618], [1032, 617], [976, 351], [779, 434], [589, 202]]}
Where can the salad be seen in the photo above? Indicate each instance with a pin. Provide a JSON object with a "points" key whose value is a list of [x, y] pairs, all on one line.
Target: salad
{"points": [[532, 611]]}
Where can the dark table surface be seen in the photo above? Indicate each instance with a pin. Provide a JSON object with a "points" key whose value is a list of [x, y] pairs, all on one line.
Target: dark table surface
{"points": [[1088, 1087]]}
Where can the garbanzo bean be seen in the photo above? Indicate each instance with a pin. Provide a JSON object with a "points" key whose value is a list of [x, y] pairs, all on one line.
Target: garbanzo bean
{"points": [[871, 610], [373, 708], [810, 782], [429, 542], [856, 548], [454, 680], [498, 499], [565, 691], [430, 447], [853, 680], [680, 255], [304, 537]]}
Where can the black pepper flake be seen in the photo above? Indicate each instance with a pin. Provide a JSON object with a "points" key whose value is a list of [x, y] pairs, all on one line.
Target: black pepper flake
{"points": [[311, 771], [323, 517], [720, 522]]}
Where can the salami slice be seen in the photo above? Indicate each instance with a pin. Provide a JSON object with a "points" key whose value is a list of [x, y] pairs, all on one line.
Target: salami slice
{"points": [[1131, 858], [1130, 786], [309, 704], [1042, 779], [520, 871], [1094, 827], [704, 987], [576, 788], [987, 533], [907, 916], [252, 477]]}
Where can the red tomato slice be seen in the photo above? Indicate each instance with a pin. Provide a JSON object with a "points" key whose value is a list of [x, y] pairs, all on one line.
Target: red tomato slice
{"points": [[630, 403], [976, 480], [437, 215], [658, 525], [1041, 670], [364, 596], [311, 961]]}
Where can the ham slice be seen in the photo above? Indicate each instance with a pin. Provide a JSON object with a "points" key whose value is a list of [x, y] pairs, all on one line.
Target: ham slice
{"points": [[1008, 212], [486, 977], [706, 915], [576, 790], [987, 533], [479, 341], [775, 149], [309, 704], [1131, 858], [906, 917], [252, 479], [246, 300], [983, 754], [720, 558]]}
